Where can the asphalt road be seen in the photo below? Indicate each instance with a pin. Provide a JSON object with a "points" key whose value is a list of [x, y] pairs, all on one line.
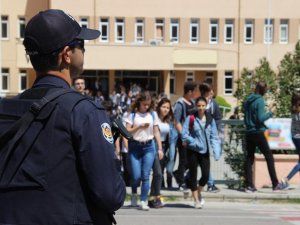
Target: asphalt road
{"points": [[213, 213]]}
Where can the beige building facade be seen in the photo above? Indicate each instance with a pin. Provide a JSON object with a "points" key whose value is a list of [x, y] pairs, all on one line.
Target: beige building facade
{"points": [[159, 44]]}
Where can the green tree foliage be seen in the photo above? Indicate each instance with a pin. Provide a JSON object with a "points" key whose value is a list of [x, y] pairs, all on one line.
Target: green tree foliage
{"points": [[288, 81], [224, 105]]}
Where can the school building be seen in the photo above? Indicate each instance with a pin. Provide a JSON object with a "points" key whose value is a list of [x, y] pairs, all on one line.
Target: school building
{"points": [[159, 44]]}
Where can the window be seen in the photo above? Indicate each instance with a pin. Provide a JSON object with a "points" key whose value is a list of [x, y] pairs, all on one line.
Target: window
{"points": [[159, 29], [228, 32], [284, 31], [139, 31], [174, 31], [23, 80], [209, 78], [104, 29], [190, 76], [172, 82], [5, 75], [194, 31], [248, 37], [119, 31], [213, 31], [4, 27], [21, 27], [84, 22], [268, 31], [228, 82]]}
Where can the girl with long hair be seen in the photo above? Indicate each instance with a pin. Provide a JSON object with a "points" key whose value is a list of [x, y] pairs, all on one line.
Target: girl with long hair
{"points": [[143, 124], [165, 116]]}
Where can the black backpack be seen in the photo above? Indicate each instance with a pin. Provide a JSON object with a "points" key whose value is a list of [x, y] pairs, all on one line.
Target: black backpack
{"points": [[13, 147]]}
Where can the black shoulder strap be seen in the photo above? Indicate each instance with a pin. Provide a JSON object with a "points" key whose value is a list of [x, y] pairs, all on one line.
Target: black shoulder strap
{"points": [[39, 110]]}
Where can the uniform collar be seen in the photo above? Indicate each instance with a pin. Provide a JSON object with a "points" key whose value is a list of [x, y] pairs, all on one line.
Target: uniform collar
{"points": [[50, 80]]}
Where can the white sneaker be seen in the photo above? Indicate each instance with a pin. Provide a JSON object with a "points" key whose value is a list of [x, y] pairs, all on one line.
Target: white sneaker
{"points": [[144, 206], [201, 200], [134, 200], [197, 205]]}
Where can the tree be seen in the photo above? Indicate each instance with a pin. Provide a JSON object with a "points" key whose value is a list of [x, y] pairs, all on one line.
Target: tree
{"points": [[288, 81], [246, 83]]}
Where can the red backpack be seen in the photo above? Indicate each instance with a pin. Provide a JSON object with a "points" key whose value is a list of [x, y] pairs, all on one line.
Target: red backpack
{"points": [[191, 123]]}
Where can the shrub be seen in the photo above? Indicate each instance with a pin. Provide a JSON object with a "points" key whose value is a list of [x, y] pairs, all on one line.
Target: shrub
{"points": [[224, 105]]}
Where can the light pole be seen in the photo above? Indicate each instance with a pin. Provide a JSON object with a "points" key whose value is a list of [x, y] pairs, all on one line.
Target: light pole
{"points": [[269, 34]]}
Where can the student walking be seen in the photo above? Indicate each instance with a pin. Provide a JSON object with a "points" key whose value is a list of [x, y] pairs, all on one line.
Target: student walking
{"points": [[184, 106], [255, 116], [295, 130], [165, 116], [143, 124], [206, 91], [200, 134]]}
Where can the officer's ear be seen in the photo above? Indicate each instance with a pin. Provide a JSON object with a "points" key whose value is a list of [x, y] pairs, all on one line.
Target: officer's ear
{"points": [[66, 54]]}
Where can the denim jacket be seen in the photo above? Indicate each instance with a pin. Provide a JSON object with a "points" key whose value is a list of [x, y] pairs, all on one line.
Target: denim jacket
{"points": [[202, 139]]}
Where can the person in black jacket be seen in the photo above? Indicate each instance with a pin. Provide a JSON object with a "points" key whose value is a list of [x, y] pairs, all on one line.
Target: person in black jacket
{"points": [[71, 174]]}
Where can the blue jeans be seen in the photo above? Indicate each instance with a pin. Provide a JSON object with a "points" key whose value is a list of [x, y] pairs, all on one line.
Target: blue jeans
{"points": [[171, 158], [141, 158], [172, 149], [297, 166], [210, 181]]}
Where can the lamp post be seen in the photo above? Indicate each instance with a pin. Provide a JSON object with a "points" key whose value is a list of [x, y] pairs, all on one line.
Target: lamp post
{"points": [[268, 31]]}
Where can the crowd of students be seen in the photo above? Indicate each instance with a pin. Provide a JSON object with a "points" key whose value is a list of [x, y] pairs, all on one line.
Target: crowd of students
{"points": [[159, 135], [190, 129]]}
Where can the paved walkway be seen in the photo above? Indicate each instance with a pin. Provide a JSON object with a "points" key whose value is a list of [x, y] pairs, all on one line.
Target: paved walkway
{"points": [[227, 194], [233, 194]]}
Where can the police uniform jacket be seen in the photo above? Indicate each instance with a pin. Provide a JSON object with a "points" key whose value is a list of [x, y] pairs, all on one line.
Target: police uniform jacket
{"points": [[71, 174]]}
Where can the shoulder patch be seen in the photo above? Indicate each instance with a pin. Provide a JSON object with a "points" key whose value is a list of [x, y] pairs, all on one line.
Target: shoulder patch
{"points": [[107, 134]]}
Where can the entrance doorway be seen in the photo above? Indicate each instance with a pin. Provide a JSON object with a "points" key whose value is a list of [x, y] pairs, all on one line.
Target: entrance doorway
{"points": [[96, 80], [147, 80]]}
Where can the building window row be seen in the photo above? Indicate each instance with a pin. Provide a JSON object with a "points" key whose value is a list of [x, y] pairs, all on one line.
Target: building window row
{"points": [[159, 30], [194, 31]]}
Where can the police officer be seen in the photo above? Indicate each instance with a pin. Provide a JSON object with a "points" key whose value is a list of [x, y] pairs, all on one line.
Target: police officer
{"points": [[71, 173]]}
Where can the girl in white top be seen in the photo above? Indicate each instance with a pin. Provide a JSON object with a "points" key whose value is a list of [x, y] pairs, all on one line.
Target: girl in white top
{"points": [[143, 124]]}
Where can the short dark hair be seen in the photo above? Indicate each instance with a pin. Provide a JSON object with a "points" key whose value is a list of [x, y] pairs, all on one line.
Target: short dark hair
{"points": [[189, 86], [201, 98], [44, 63], [78, 78], [204, 87], [261, 87]]}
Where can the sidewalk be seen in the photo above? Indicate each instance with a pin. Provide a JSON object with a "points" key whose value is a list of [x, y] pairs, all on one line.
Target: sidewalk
{"points": [[226, 194]]}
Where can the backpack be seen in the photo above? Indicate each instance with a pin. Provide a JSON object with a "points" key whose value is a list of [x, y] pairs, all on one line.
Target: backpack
{"points": [[191, 122], [14, 148], [184, 112]]}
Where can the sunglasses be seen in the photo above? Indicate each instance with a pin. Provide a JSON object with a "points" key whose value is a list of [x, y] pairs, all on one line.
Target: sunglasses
{"points": [[77, 43]]}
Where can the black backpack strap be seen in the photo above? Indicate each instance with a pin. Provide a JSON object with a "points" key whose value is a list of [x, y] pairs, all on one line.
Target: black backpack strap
{"points": [[39, 110]]}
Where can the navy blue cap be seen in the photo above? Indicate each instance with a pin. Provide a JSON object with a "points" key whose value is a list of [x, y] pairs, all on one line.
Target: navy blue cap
{"points": [[51, 30]]}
